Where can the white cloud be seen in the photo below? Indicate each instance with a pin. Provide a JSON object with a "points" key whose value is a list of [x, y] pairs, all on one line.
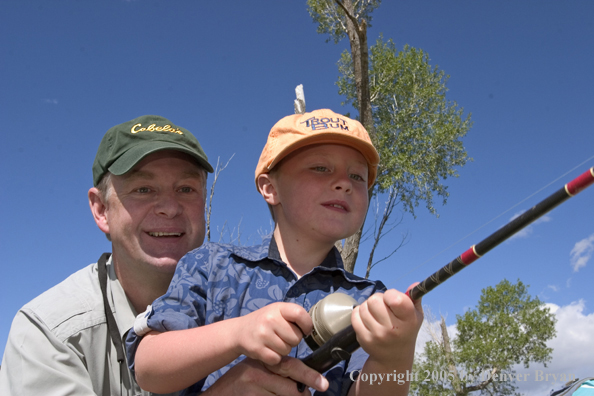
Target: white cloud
{"points": [[51, 101], [582, 253], [544, 294], [572, 351], [527, 231]]}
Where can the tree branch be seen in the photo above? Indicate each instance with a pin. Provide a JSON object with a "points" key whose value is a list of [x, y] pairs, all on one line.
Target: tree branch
{"points": [[483, 384], [348, 14], [379, 234], [212, 190]]}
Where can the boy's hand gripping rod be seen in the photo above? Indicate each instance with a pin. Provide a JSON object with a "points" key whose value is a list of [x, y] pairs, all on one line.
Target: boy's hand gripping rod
{"points": [[342, 344]]}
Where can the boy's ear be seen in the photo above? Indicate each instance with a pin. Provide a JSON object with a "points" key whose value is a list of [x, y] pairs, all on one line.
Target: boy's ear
{"points": [[267, 189]]}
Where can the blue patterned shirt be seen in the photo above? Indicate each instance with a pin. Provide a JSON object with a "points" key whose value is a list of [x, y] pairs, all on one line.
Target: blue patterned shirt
{"points": [[217, 282]]}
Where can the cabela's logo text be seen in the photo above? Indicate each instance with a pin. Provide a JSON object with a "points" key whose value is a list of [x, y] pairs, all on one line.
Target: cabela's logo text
{"points": [[154, 128]]}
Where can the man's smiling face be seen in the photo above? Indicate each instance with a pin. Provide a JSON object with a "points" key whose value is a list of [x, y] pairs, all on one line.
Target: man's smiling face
{"points": [[155, 212]]}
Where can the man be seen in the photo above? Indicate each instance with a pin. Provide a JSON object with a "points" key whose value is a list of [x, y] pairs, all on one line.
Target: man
{"points": [[148, 198]]}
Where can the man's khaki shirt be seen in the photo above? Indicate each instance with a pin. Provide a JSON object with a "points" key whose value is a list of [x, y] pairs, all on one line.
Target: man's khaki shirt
{"points": [[59, 343]]}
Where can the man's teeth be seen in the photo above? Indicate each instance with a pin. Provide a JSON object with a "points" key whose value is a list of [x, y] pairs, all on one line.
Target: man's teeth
{"points": [[162, 234]]}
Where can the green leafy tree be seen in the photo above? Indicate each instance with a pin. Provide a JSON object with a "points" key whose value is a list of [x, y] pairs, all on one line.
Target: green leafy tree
{"points": [[507, 327], [402, 103]]}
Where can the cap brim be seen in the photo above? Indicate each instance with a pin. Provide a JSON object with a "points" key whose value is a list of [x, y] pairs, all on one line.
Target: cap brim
{"points": [[130, 158], [363, 147]]}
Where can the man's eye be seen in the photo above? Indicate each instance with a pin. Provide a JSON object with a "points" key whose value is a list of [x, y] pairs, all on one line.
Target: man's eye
{"points": [[186, 189], [143, 190]]}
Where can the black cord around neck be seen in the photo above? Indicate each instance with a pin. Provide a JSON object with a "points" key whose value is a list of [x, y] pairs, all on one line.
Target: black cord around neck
{"points": [[111, 322]]}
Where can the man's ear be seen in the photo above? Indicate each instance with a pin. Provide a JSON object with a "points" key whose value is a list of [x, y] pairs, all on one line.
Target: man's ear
{"points": [[267, 189], [99, 209]]}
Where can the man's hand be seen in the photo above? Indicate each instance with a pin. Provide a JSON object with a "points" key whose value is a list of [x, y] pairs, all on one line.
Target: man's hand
{"points": [[270, 333], [252, 378]]}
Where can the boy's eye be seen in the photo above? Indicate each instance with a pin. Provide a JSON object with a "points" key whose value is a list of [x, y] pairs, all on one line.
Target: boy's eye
{"points": [[357, 177], [320, 168]]}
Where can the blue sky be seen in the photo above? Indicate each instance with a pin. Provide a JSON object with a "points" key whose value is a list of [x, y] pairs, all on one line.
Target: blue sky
{"points": [[227, 71]]}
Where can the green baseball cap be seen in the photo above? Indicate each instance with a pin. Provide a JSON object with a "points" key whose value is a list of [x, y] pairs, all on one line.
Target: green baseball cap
{"points": [[124, 145]]}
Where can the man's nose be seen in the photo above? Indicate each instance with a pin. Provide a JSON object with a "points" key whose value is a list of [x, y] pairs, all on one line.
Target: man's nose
{"points": [[168, 205]]}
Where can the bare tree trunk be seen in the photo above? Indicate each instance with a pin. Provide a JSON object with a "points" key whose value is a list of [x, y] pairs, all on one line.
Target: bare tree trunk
{"points": [[350, 250], [357, 33], [459, 388], [450, 359], [299, 103]]}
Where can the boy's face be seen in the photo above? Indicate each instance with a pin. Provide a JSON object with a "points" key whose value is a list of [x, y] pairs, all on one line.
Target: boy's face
{"points": [[321, 192]]}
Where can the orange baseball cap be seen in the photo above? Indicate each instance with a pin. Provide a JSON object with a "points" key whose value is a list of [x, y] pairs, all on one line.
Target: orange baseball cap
{"points": [[317, 127]]}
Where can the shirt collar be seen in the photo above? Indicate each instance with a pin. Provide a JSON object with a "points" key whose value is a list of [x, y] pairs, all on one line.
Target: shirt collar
{"points": [[269, 249]]}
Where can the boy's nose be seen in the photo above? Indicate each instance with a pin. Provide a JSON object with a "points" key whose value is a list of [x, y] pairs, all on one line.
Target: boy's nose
{"points": [[343, 182]]}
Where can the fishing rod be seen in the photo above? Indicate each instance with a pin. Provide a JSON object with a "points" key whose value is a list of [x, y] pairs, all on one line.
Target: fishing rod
{"points": [[475, 252], [329, 350]]}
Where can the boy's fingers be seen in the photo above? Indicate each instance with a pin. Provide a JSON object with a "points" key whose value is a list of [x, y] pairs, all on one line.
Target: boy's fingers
{"points": [[403, 307], [357, 322], [378, 309], [364, 316], [400, 303], [290, 333], [375, 314], [395, 300], [296, 314], [297, 370], [265, 354], [282, 344], [418, 302]]}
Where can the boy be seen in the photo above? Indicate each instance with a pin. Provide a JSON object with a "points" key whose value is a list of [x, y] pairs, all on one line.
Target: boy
{"points": [[314, 173]]}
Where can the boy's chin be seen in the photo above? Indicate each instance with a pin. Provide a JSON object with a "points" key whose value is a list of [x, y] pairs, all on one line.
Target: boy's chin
{"points": [[333, 237]]}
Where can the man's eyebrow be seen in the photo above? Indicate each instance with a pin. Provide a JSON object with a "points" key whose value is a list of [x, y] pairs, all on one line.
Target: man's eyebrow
{"points": [[194, 173], [141, 174], [137, 174]]}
